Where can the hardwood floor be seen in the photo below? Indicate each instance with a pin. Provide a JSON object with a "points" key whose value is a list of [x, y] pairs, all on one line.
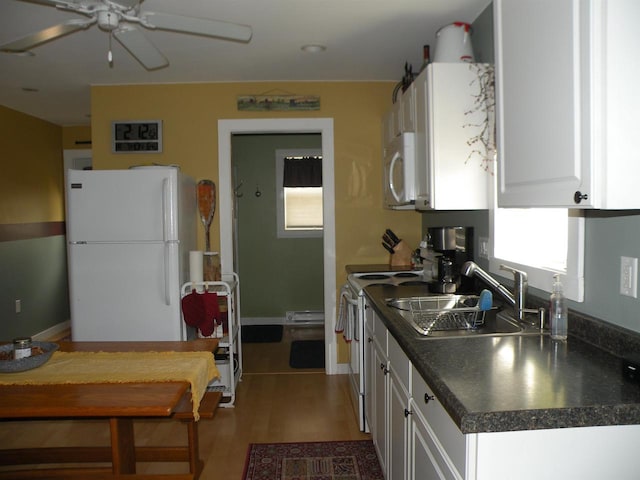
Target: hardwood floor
{"points": [[275, 404]]}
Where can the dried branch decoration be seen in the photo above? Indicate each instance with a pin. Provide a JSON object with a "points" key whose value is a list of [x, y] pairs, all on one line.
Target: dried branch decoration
{"points": [[484, 101]]}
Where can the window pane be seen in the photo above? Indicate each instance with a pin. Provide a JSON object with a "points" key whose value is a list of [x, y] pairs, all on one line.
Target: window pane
{"points": [[303, 208], [532, 236]]}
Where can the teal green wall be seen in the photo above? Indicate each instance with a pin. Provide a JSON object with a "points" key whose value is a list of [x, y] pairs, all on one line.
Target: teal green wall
{"points": [[608, 236], [34, 271], [276, 275], [482, 37]]}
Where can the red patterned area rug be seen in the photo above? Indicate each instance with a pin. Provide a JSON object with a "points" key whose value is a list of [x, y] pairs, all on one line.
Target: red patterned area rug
{"points": [[352, 460]]}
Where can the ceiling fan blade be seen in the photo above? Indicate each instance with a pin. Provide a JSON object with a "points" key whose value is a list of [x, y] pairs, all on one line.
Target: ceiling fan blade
{"points": [[29, 41], [53, 3], [197, 26], [141, 48]]}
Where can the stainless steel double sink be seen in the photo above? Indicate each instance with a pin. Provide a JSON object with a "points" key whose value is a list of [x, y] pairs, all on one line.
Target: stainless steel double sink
{"points": [[453, 316]]}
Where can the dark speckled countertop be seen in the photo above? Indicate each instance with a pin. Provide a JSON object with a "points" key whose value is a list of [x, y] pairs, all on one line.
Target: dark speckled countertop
{"points": [[490, 384]]}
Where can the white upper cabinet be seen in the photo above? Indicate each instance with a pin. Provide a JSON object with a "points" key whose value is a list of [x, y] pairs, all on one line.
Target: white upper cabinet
{"points": [[452, 172], [391, 125], [567, 100], [401, 117], [408, 108]]}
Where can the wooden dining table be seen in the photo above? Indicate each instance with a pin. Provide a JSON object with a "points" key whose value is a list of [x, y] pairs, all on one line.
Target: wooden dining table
{"points": [[118, 403]]}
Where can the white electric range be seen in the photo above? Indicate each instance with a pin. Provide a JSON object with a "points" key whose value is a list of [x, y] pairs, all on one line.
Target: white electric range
{"points": [[354, 329]]}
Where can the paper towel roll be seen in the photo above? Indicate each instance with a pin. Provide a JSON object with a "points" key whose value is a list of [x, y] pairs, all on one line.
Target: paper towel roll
{"points": [[196, 267]]}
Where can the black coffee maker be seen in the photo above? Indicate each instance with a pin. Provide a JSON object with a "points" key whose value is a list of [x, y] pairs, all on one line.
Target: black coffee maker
{"points": [[450, 248]]}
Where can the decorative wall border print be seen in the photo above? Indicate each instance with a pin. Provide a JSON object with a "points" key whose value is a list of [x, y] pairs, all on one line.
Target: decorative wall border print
{"points": [[270, 103]]}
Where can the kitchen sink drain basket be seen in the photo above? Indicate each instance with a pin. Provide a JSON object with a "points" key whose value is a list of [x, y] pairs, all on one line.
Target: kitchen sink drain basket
{"points": [[460, 313]]}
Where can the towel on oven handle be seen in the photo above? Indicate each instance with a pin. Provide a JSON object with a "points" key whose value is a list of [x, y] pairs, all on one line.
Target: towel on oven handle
{"points": [[346, 315]]}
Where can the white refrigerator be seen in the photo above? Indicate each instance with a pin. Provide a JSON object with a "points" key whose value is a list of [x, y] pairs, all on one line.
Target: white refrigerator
{"points": [[129, 233]]}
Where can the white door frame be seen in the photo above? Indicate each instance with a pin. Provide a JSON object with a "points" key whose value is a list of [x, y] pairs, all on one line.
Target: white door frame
{"points": [[324, 126], [72, 157]]}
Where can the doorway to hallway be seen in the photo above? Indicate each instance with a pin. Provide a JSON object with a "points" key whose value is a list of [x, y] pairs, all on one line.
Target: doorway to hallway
{"points": [[226, 130], [282, 274]]}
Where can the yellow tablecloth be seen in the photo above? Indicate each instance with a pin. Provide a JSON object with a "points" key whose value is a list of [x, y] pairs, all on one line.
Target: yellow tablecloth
{"points": [[197, 368]]}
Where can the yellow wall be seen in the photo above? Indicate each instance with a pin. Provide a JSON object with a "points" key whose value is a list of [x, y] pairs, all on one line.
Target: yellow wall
{"points": [[31, 183], [74, 138], [190, 113]]}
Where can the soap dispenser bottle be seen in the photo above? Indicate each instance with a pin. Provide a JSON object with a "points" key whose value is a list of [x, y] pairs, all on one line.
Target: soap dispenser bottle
{"points": [[558, 311]]}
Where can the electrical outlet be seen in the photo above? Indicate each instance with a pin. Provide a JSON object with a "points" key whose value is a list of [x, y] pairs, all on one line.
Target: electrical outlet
{"points": [[484, 248], [629, 276]]}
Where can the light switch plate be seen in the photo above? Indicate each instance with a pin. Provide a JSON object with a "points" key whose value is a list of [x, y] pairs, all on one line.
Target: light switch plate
{"points": [[629, 276]]}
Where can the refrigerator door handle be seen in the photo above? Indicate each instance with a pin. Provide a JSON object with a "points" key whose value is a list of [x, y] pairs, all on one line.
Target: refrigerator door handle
{"points": [[167, 275], [168, 217]]}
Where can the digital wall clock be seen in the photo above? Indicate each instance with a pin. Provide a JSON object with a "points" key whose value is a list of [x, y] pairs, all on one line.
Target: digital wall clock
{"points": [[140, 136]]}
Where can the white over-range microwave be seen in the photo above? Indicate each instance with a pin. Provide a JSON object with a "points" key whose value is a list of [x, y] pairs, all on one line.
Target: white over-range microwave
{"points": [[400, 172]]}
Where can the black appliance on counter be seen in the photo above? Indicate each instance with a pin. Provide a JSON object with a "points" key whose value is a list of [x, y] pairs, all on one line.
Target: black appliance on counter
{"points": [[447, 249]]}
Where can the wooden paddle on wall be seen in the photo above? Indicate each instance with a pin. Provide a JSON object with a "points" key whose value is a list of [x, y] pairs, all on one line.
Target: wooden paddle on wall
{"points": [[207, 207]]}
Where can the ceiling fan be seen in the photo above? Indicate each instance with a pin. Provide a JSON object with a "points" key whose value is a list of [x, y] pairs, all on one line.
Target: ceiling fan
{"points": [[118, 18]]}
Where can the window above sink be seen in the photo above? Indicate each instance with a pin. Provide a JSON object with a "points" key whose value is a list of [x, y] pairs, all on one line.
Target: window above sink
{"points": [[541, 242]]}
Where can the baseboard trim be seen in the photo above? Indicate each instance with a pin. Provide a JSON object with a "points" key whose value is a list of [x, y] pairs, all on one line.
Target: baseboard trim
{"points": [[53, 332], [342, 369], [263, 321]]}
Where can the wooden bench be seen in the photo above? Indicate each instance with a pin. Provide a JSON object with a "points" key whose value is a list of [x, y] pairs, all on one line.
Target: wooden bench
{"points": [[59, 455]]}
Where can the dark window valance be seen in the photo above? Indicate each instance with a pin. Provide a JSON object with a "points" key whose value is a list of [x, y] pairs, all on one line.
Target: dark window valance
{"points": [[302, 172]]}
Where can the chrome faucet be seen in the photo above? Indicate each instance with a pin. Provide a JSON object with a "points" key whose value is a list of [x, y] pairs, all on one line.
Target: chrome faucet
{"points": [[517, 299]]}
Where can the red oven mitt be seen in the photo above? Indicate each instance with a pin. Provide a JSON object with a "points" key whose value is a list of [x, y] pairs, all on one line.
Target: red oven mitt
{"points": [[211, 313], [193, 310]]}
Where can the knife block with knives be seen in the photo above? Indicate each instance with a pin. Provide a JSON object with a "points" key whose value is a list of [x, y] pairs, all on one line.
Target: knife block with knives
{"points": [[400, 252]]}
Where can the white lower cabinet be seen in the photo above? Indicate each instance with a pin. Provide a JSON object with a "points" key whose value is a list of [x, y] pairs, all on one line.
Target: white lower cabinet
{"points": [[397, 411], [408, 446], [437, 444], [423, 456], [368, 364], [378, 390], [397, 438], [416, 439]]}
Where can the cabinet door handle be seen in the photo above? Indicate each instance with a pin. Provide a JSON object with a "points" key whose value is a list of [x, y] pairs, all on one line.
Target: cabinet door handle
{"points": [[428, 398], [407, 412], [579, 196]]}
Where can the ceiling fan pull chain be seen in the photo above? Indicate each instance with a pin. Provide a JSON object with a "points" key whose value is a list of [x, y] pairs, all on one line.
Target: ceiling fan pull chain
{"points": [[110, 55]]}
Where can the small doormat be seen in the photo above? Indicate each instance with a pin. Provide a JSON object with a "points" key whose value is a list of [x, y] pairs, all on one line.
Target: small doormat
{"points": [[261, 333], [307, 354], [350, 460]]}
